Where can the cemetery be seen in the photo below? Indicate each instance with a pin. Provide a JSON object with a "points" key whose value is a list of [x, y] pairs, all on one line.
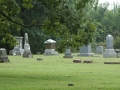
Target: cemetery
{"points": [[60, 71], [59, 45]]}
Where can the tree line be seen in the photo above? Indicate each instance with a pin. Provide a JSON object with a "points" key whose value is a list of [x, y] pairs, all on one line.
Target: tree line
{"points": [[72, 23]]}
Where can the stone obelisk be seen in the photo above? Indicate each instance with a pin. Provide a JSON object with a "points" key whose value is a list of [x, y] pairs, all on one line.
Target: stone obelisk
{"points": [[27, 53]]}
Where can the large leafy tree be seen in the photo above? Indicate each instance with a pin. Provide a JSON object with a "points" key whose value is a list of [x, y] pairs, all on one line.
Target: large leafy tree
{"points": [[62, 18]]}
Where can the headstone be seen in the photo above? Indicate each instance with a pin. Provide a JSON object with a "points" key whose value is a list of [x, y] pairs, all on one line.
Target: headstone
{"points": [[27, 53], [99, 50], [67, 54], [3, 56], [109, 51], [111, 62], [50, 47], [18, 50], [88, 61], [77, 61], [39, 59], [85, 51]]}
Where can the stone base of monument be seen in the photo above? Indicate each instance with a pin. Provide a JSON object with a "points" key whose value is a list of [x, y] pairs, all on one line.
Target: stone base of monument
{"points": [[68, 56], [85, 54], [88, 61], [109, 53], [27, 54], [4, 59], [51, 52], [15, 51]]}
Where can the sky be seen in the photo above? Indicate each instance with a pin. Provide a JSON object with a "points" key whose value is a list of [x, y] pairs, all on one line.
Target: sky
{"points": [[110, 1]]}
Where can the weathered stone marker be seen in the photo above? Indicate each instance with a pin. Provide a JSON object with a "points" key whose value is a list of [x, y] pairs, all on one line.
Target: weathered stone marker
{"points": [[111, 62], [39, 59], [77, 61], [109, 51], [70, 84], [85, 51], [99, 50], [27, 53], [67, 54], [3, 56], [88, 61]]}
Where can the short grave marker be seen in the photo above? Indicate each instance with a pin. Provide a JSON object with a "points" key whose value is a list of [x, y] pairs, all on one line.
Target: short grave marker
{"points": [[88, 61], [111, 62], [77, 61]]}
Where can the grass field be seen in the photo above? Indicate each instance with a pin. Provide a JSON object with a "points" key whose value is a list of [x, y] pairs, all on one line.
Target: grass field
{"points": [[56, 72]]}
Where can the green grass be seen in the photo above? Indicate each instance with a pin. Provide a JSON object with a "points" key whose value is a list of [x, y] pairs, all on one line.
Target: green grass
{"points": [[56, 72]]}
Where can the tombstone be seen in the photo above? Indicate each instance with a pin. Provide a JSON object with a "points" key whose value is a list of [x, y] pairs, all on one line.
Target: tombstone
{"points": [[27, 53], [67, 54], [3, 56], [50, 47], [85, 51], [109, 51], [88, 61], [99, 50], [18, 50], [77, 61]]}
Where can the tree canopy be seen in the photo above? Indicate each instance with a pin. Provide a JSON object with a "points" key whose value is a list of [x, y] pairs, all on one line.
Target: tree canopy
{"points": [[62, 18]]}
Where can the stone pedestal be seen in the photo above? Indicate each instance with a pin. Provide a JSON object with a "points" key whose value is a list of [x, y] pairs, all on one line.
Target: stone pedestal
{"points": [[27, 53], [85, 51], [109, 53], [67, 54], [50, 52], [50, 47], [3, 56]]}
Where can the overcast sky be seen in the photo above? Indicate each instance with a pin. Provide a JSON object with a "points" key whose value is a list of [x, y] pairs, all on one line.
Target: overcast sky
{"points": [[110, 1]]}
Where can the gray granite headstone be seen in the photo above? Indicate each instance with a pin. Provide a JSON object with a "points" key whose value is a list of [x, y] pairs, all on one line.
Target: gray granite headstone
{"points": [[109, 51], [3, 56], [85, 51], [27, 53], [99, 50], [67, 54], [50, 47]]}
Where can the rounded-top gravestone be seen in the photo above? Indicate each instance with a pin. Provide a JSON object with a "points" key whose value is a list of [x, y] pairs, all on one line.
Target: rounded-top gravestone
{"points": [[109, 42], [109, 51]]}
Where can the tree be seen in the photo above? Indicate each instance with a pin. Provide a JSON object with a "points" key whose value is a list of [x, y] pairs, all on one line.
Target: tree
{"points": [[63, 18]]}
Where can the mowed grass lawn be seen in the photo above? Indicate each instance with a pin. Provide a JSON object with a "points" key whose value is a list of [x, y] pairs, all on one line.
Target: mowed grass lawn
{"points": [[56, 72]]}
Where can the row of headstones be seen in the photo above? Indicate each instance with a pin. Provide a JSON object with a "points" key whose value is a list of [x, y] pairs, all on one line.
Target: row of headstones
{"points": [[18, 50], [50, 48], [86, 50]]}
